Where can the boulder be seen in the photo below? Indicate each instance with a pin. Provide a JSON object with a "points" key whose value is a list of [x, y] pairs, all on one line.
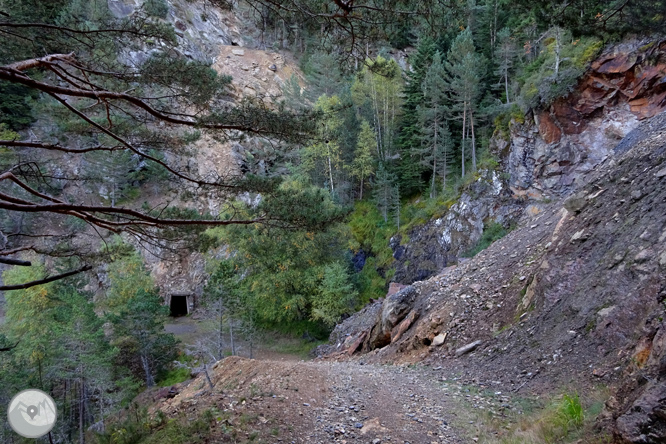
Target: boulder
{"points": [[404, 325], [439, 339], [394, 309], [645, 420]]}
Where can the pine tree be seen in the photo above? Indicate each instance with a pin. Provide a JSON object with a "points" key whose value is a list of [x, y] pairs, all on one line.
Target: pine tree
{"points": [[138, 328], [324, 77], [385, 192], [464, 68], [137, 315], [505, 55], [379, 88], [363, 164], [59, 345], [337, 294], [409, 137], [435, 151]]}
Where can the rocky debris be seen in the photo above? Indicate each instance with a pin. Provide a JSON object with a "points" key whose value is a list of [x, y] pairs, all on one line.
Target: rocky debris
{"points": [[467, 348], [645, 419], [404, 325], [553, 150], [345, 333], [395, 287]]}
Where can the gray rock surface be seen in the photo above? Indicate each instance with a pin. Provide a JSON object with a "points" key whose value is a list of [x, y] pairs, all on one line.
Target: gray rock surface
{"points": [[441, 241]]}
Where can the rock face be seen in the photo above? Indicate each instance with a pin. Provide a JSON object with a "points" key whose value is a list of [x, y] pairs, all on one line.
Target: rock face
{"points": [[200, 28], [211, 35], [433, 246], [555, 148]]}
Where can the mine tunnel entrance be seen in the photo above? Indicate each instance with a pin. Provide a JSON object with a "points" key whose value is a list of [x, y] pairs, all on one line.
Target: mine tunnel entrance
{"points": [[178, 305]]}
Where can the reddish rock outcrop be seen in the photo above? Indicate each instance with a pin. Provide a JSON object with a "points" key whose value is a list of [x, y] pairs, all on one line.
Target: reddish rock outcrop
{"points": [[552, 152]]}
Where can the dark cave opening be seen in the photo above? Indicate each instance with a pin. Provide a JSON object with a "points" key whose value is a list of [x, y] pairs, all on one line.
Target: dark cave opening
{"points": [[178, 306]]}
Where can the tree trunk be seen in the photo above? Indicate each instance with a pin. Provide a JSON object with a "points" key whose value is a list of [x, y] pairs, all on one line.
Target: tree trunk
{"points": [[210, 383], [444, 173], [285, 39], [361, 190], [463, 137], [330, 169], [506, 84], [434, 162], [220, 329], [231, 336], [81, 412], [150, 381], [471, 122], [558, 48]]}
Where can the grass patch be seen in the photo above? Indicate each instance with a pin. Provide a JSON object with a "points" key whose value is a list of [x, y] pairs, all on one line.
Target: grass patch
{"points": [[174, 376], [289, 345], [561, 419], [492, 232]]}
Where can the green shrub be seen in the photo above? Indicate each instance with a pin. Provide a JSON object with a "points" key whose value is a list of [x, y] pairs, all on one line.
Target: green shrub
{"points": [[503, 120], [491, 232], [174, 376], [371, 284], [540, 86], [371, 232], [156, 8]]}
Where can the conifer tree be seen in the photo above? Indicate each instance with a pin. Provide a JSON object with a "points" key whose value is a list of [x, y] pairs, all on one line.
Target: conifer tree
{"points": [[379, 87], [323, 74], [337, 294], [436, 146], [138, 328], [385, 191], [363, 164], [410, 137], [464, 68], [505, 55]]}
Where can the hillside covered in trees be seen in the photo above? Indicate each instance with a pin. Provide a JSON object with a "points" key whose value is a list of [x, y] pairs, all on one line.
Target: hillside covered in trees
{"points": [[274, 166]]}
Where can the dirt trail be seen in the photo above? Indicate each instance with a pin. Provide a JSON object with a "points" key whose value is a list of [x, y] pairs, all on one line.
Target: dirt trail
{"points": [[332, 402], [385, 403]]}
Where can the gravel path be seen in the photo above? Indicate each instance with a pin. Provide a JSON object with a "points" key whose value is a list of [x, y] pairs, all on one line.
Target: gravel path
{"points": [[379, 404], [317, 402]]}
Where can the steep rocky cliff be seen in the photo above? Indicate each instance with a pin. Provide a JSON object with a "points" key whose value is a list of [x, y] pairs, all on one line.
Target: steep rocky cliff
{"points": [[553, 150], [442, 241], [549, 154]]}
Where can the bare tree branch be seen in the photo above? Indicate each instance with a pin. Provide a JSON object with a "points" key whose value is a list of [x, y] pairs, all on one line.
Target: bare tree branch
{"points": [[11, 347], [18, 262], [46, 280]]}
